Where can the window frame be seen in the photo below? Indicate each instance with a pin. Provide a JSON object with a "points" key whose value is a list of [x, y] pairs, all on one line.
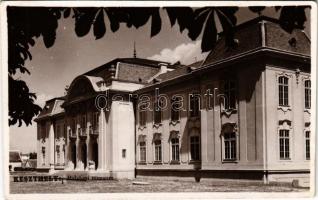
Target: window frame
{"points": [[284, 153], [194, 109], [307, 95], [195, 148], [158, 151], [175, 150], [174, 112], [307, 145], [232, 151], [230, 92], [157, 112], [142, 152], [283, 89]]}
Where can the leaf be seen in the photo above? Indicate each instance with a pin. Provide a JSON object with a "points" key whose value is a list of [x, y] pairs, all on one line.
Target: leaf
{"points": [[257, 9], [155, 24], [210, 34], [99, 25], [67, 12], [84, 18], [183, 15], [113, 18], [196, 27]]}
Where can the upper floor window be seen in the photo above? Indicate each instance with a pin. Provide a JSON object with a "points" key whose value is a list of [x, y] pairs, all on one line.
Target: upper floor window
{"points": [[142, 151], [142, 117], [230, 95], [95, 119], [175, 108], [284, 152], [307, 94], [283, 90], [73, 124], [194, 105], [307, 137], [158, 155], [83, 121], [157, 112]]}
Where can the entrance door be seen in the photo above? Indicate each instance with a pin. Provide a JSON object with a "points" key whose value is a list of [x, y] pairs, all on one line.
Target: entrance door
{"points": [[73, 150], [95, 154], [84, 155]]}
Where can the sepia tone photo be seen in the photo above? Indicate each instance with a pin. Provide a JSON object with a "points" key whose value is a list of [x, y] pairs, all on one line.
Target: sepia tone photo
{"points": [[160, 99]]}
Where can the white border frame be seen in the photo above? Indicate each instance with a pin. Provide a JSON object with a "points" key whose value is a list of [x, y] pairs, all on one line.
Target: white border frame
{"points": [[4, 100]]}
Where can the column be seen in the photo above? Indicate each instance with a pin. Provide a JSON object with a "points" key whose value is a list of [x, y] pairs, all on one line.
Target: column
{"points": [[51, 151], [102, 141]]}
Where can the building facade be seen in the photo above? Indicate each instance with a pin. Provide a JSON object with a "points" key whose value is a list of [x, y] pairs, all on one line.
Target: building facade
{"points": [[243, 112]]}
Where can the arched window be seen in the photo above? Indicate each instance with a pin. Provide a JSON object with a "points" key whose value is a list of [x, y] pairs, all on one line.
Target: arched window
{"points": [[283, 90], [307, 94], [229, 138]]}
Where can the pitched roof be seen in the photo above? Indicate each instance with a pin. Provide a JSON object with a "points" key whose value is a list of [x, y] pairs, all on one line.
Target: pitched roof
{"points": [[261, 32], [52, 107], [181, 70], [137, 61]]}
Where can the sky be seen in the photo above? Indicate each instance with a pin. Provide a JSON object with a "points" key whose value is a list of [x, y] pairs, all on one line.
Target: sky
{"points": [[52, 69]]}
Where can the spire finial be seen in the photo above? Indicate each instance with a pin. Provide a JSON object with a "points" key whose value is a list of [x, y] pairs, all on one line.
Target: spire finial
{"points": [[135, 53]]}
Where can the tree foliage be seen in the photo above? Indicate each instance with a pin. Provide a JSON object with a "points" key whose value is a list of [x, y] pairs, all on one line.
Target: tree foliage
{"points": [[25, 24]]}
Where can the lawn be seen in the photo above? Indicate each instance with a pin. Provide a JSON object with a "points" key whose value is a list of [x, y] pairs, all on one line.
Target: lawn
{"points": [[155, 185]]}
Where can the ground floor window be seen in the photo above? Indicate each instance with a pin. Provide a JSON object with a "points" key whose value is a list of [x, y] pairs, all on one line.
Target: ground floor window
{"points": [[284, 144], [58, 156], [307, 135], [142, 151], [229, 146], [43, 155], [175, 149], [158, 156], [195, 148]]}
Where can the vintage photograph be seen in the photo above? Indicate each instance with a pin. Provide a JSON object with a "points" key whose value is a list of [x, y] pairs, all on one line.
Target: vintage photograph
{"points": [[160, 98]]}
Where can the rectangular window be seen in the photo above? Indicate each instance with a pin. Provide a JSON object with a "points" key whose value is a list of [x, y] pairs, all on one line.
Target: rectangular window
{"points": [[123, 153], [229, 146], [58, 154], [283, 90], [157, 112], [307, 94], [43, 155], [142, 117], [83, 122], [142, 151], [230, 95], [195, 148], [307, 135], [284, 144], [175, 108], [95, 120], [194, 105], [158, 151], [175, 149]]}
